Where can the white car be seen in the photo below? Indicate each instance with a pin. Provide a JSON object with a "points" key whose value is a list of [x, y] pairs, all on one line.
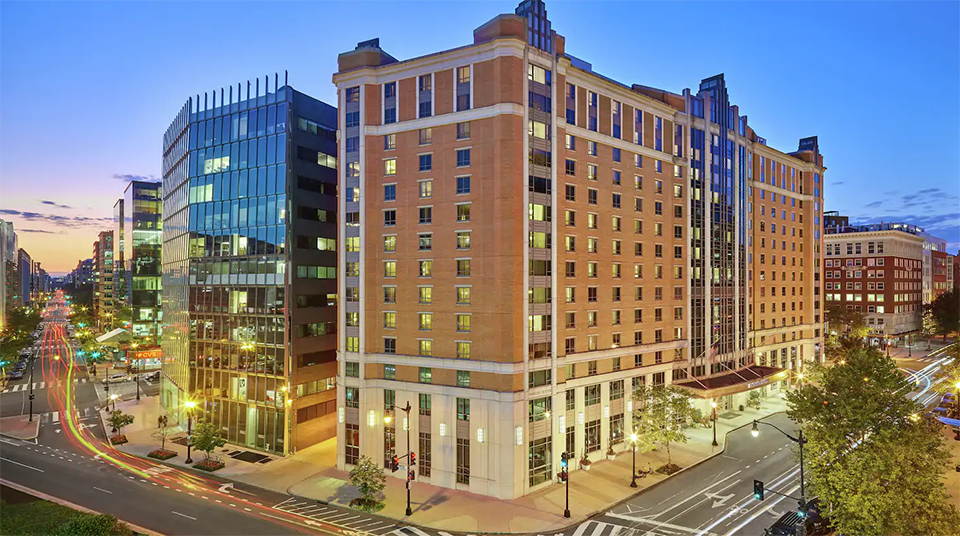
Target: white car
{"points": [[115, 378]]}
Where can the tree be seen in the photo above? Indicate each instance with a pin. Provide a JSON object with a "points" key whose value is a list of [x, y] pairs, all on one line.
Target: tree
{"points": [[947, 378], [162, 432], [870, 456], [369, 479], [118, 420], [660, 415], [94, 525], [755, 400], [206, 437], [945, 311], [847, 322]]}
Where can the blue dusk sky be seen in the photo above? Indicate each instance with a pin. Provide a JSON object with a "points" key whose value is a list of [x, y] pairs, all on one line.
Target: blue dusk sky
{"points": [[89, 88]]}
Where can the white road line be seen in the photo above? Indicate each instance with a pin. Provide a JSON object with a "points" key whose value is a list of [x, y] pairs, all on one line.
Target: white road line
{"points": [[183, 515], [22, 464], [103, 490], [346, 519], [336, 516]]}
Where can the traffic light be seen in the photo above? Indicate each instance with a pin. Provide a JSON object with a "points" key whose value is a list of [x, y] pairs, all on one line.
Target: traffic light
{"points": [[411, 475], [394, 464], [563, 461], [802, 510], [413, 459], [758, 490]]}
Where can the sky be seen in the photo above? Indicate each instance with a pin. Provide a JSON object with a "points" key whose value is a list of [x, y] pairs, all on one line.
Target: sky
{"points": [[87, 89]]}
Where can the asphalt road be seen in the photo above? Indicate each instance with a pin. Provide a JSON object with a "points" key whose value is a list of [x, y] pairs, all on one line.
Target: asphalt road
{"points": [[716, 497], [71, 460]]}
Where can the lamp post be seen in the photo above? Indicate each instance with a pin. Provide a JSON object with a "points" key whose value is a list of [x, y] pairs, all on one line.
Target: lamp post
{"points": [[406, 410], [633, 474], [800, 441], [189, 404], [113, 398], [713, 405], [33, 360]]}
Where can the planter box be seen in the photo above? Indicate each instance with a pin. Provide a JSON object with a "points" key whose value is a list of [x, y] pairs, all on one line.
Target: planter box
{"points": [[118, 440], [161, 454], [585, 467], [611, 457], [208, 465]]}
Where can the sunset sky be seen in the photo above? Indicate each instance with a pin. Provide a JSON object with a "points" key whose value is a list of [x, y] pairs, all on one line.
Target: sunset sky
{"points": [[88, 88]]}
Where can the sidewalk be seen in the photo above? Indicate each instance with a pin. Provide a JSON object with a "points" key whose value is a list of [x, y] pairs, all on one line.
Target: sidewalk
{"points": [[312, 474], [20, 427], [916, 354]]}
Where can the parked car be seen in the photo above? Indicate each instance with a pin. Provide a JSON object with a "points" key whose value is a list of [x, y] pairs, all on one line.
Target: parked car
{"points": [[115, 378], [14, 375]]}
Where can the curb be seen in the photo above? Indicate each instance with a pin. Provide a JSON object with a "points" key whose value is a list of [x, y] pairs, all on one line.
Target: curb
{"points": [[31, 438], [40, 495], [579, 520]]}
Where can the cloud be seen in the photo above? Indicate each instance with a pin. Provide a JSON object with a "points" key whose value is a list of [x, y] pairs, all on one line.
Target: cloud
{"points": [[875, 204], [838, 183], [54, 204], [38, 231], [57, 220], [928, 191], [126, 177]]}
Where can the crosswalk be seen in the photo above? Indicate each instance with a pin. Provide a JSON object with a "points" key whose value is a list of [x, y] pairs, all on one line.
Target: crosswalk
{"points": [[41, 385], [53, 417], [351, 520], [637, 528]]}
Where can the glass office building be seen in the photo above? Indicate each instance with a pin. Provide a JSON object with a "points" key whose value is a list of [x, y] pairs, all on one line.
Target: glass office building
{"points": [[249, 257], [140, 243]]}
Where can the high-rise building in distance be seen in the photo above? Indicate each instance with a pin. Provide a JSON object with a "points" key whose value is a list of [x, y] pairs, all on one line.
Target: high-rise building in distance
{"points": [[137, 244], [103, 300], [249, 264], [527, 241]]}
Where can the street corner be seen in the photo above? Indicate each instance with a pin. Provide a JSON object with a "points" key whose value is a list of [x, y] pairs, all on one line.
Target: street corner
{"points": [[20, 427]]}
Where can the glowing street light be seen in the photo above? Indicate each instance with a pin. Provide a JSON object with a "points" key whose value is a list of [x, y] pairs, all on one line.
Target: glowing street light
{"points": [[189, 404], [713, 405]]}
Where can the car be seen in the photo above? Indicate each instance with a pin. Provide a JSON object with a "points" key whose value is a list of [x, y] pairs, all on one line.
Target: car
{"points": [[114, 378], [14, 375]]}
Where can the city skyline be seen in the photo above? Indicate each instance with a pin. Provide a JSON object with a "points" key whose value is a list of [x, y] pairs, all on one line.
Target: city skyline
{"points": [[109, 135]]}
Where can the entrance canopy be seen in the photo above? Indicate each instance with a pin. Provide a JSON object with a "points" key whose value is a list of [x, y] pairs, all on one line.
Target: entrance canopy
{"points": [[735, 381], [114, 337]]}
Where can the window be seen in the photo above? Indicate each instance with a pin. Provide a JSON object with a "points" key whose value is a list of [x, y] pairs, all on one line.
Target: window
{"points": [[425, 188], [426, 405], [426, 295], [426, 268], [463, 88], [571, 192], [425, 242], [390, 166], [390, 320], [390, 192], [463, 212], [592, 196], [389, 244], [426, 215], [389, 294], [463, 239], [389, 268], [426, 375], [463, 461], [591, 395], [426, 162], [571, 142], [571, 167], [426, 321], [426, 136], [389, 218], [463, 157], [463, 130], [463, 323], [352, 369], [463, 350], [463, 267], [353, 397], [463, 185], [352, 448], [463, 380], [389, 345], [389, 142]]}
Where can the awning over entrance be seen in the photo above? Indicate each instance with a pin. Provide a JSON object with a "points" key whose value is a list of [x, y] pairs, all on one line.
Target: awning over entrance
{"points": [[116, 336], [733, 382]]}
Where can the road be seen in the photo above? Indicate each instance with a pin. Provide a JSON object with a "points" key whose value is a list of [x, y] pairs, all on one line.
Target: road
{"points": [[71, 460], [716, 497]]}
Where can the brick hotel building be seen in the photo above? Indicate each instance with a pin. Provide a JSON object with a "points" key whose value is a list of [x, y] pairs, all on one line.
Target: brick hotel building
{"points": [[524, 241], [876, 269]]}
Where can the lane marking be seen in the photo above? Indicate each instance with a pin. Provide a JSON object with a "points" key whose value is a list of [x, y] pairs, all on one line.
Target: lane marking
{"points": [[103, 490], [22, 464], [183, 515]]}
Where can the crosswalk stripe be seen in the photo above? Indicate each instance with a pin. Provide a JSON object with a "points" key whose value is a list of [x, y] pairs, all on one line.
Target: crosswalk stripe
{"points": [[407, 531], [54, 416], [41, 385]]}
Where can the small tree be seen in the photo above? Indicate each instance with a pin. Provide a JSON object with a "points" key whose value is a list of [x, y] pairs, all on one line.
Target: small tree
{"points": [[660, 416], [369, 479], [945, 311], [162, 432], [118, 420], [755, 400], [206, 437]]}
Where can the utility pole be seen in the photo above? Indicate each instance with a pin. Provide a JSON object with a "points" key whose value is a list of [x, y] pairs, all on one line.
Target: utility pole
{"points": [[33, 361]]}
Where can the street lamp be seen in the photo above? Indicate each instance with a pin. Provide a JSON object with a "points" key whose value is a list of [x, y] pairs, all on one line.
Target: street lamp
{"points": [[136, 371], [113, 398], [633, 475], [713, 404], [189, 404], [800, 441], [409, 425]]}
